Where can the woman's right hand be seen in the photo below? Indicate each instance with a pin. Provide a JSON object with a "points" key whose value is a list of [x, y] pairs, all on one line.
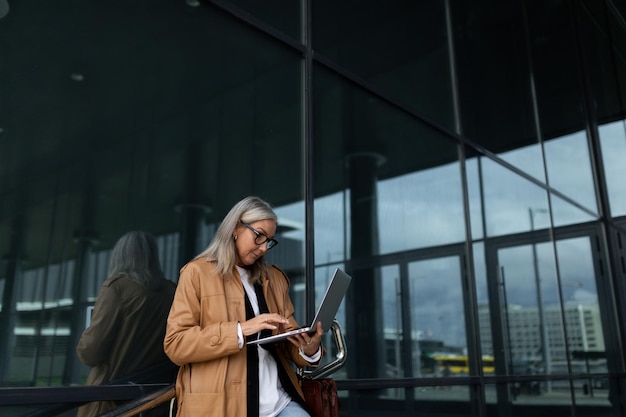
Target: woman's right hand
{"points": [[264, 321]]}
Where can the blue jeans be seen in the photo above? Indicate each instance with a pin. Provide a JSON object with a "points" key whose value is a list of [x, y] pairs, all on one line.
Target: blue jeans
{"points": [[293, 409]]}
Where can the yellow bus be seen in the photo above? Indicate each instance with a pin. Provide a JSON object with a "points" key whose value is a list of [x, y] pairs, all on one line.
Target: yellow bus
{"points": [[451, 364]]}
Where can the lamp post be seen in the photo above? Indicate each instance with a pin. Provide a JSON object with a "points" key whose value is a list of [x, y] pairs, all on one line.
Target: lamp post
{"points": [[543, 327]]}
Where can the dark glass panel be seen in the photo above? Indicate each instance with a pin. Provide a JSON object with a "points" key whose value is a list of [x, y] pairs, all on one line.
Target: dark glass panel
{"points": [[493, 73], [400, 176], [385, 184], [154, 116], [554, 68], [282, 15], [604, 42], [401, 48]]}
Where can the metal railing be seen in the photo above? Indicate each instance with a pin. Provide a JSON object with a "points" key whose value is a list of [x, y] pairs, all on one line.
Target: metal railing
{"points": [[340, 357]]}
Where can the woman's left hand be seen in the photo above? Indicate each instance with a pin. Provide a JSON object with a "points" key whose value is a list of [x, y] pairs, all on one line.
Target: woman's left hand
{"points": [[309, 343]]}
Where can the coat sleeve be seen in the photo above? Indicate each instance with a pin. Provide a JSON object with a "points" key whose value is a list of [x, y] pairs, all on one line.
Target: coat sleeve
{"points": [[94, 346], [187, 338]]}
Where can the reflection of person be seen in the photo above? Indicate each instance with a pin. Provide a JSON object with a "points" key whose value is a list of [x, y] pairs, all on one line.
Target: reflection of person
{"points": [[128, 321], [228, 295]]}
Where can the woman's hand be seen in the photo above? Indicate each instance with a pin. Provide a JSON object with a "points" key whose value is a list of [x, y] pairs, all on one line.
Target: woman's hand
{"points": [[307, 342], [264, 321]]}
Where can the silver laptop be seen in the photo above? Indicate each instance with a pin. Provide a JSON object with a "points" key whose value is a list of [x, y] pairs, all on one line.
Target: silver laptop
{"points": [[325, 313]]}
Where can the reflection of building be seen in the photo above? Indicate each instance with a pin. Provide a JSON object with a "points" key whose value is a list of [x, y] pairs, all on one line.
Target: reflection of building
{"points": [[583, 327], [42, 329]]}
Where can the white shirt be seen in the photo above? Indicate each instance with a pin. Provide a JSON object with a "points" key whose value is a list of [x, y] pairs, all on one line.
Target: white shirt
{"points": [[272, 397]]}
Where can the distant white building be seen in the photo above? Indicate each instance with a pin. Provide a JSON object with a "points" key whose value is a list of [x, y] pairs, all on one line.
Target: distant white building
{"points": [[582, 327]]}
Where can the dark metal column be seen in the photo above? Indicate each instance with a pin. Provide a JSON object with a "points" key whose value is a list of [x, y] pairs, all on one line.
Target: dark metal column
{"points": [[366, 300]]}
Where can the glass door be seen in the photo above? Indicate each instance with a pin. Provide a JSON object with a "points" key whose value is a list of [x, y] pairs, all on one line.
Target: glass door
{"points": [[436, 304], [545, 303], [421, 305]]}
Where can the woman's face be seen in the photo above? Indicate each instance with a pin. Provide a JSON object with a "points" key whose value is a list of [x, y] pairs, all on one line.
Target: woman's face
{"points": [[247, 250]]}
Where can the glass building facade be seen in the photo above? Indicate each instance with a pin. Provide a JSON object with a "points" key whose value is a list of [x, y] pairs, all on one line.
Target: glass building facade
{"points": [[464, 161]]}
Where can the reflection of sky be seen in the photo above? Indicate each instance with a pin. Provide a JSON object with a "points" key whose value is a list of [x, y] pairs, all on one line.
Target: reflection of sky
{"points": [[421, 209], [613, 144], [575, 268], [568, 166], [424, 209], [436, 299]]}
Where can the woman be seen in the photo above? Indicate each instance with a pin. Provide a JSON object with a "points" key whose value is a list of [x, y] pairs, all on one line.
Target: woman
{"points": [[128, 321], [226, 296]]}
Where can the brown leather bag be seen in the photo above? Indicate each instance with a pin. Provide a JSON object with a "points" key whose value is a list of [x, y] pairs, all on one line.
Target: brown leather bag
{"points": [[320, 391], [321, 397]]}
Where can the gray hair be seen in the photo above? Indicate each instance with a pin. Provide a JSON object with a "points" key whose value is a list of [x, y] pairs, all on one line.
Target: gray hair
{"points": [[222, 249], [136, 256]]}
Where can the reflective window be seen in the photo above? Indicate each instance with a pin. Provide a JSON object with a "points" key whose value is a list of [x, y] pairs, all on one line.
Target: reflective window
{"points": [[482, 304], [430, 215], [393, 332], [555, 85], [507, 199], [438, 324], [331, 229], [386, 46], [367, 141], [513, 203], [568, 164], [613, 143], [157, 119], [551, 315], [491, 52], [282, 15]]}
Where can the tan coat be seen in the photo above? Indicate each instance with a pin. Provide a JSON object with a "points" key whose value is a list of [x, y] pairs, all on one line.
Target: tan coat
{"points": [[201, 337]]}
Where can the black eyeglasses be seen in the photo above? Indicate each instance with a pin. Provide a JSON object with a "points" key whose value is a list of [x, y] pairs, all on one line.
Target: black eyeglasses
{"points": [[261, 238]]}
